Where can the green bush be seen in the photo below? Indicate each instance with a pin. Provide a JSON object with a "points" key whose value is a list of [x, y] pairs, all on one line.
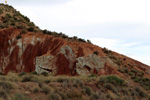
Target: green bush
{"points": [[140, 92], [105, 50], [111, 79], [95, 52], [8, 16], [47, 81], [36, 90], [31, 29], [93, 75], [6, 86], [89, 41], [34, 73], [46, 89], [22, 73], [108, 86], [54, 96], [81, 40], [1, 11], [26, 79], [3, 95], [126, 70], [88, 91], [121, 70], [94, 96], [62, 80], [20, 97], [18, 37], [44, 73]]}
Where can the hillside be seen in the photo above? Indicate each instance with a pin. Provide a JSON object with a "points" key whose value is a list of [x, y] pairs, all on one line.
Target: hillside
{"points": [[24, 48]]}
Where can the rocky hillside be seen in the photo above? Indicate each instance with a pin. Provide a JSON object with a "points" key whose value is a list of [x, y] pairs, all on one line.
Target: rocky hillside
{"points": [[26, 48]]}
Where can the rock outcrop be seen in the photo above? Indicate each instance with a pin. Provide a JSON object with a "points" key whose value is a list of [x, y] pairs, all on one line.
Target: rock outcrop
{"points": [[89, 65]]}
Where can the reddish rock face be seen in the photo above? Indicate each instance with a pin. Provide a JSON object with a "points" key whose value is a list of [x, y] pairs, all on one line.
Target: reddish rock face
{"points": [[62, 61], [66, 57]]}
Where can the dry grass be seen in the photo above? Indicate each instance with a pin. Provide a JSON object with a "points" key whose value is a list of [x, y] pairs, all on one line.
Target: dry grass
{"points": [[66, 88]]}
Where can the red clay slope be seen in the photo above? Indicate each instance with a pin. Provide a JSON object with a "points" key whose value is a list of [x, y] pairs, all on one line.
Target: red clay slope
{"points": [[19, 55]]}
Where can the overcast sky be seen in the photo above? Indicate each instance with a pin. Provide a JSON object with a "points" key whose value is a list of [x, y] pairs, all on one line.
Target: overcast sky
{"points": [[119, 25]]}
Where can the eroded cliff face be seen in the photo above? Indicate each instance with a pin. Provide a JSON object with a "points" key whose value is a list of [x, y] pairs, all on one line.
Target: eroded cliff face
{"points": [[45, 53]]}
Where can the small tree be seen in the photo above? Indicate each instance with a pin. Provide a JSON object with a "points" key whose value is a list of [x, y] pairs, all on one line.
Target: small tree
{"points": [[30, 29]]}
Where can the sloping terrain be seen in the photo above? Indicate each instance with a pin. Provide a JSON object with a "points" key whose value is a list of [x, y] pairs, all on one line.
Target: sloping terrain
{"points": [[26, 48]]}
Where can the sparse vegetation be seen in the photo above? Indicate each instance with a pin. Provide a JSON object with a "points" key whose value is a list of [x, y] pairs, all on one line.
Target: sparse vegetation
{"points": [[111, 79], [105, 50], [46, 89], [58, 87], [54, 96], [20, 97]]}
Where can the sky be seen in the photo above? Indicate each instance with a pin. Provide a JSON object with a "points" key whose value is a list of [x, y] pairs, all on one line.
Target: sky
{"points": [[119, 25]]}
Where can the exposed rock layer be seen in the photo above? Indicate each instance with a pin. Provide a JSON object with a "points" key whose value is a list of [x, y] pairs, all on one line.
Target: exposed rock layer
{"points": [[40, 52]]}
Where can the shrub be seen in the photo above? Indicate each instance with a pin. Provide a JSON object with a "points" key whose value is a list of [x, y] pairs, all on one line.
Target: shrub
{"points": [[63, 96], [35, 73], [46, 89], [23, 32], [44, 73], [112, 57], [89, 41], [95, 52], [47, 81], [44, 31], [54, 96], [94, 96], [102, 79], [75, 37], [93, 75], [74, 95], [30, 29], [40, 84], [8, 16], [29, 78], [140, 92], [121, 70], [26, 79], [82, 40], [6, 86], [140, 74], [36, 90], [111, 79], [126, 70], [3, 94], [108, 86], [62, 80], [105, 50], [118, 62], [88, 91], [18, 37], [22, 73], [134, 70], [1, 11], [64, 36], [49, 33], [20, 97]]}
